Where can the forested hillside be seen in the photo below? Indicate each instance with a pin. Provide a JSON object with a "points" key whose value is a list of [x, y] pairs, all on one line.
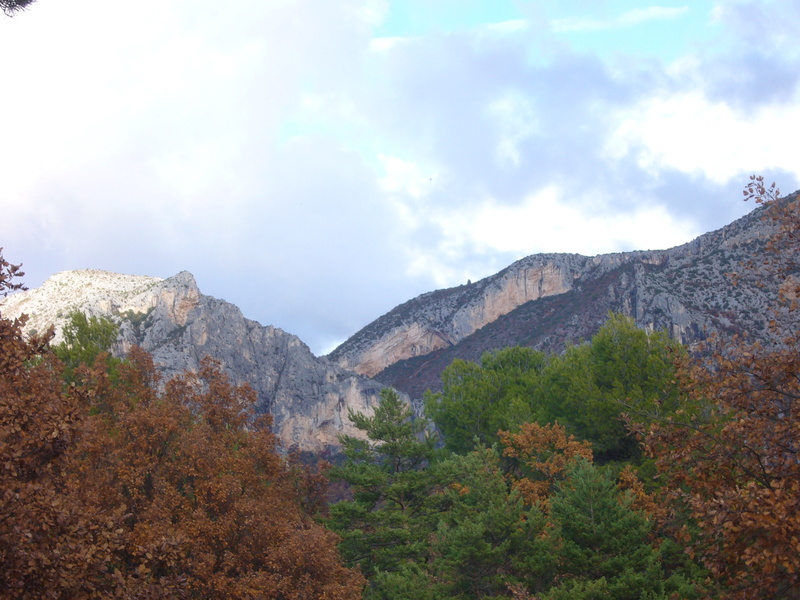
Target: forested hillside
{"points": [[623, 468]]}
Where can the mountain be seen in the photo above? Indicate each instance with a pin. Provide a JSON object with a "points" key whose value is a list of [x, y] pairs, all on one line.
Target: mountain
{"points": [[546, 301], [308, 397]]}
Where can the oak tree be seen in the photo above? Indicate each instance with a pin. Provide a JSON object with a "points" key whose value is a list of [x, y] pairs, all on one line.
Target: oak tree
{"points": [[121, 487], [48, 541], [732, 469], [208, 508]]}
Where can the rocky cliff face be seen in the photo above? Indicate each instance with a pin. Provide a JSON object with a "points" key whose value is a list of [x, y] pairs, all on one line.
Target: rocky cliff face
{"points": [[308, 397], [547, 300]]}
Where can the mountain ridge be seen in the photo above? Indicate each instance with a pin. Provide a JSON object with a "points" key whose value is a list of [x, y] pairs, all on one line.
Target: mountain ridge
{"points": [[687, 291], [437, 320], [544, 301]]}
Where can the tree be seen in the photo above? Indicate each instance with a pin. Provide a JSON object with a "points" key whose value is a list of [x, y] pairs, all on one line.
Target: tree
{"points": [[733, 468], [11, 7], [599, 540], [47, 538], [623, 369], [488, 538], [117, 487], [207, 508], [7, 273], [386, 524], [586, 389], [542, 454], [479, 400], [85, 338], [483, 538], [604, 551]]}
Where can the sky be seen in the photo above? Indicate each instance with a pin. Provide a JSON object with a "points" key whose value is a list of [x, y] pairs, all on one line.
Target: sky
{"points": [[318, 162]]}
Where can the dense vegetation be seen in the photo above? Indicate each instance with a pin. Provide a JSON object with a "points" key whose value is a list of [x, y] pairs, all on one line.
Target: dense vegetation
{"points": [[515, 503], [622, 469]]}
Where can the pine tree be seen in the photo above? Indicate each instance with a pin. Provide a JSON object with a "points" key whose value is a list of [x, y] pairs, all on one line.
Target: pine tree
{"points": [[387, 522], [488, 539], [605, 550]]}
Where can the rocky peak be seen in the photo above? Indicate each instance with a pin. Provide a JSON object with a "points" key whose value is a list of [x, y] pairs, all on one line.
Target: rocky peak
{"points": [[308, 397], [92, 291]]}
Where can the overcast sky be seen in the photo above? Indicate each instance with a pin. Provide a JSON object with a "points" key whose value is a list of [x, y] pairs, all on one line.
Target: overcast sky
{"points": [[317, 162]]}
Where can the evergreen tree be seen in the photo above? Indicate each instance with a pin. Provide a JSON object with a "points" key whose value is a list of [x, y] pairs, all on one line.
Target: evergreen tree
{"points": [[479, 400], [488, 539], [623, 369], [605, 552], [86, 338], [386, 524]]}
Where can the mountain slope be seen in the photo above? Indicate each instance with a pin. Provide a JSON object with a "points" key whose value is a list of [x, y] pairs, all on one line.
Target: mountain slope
{"points": [[547, 300]]}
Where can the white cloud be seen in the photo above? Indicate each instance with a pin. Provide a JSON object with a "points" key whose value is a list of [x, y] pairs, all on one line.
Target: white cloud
{"points": [[696, 136], [630, 18], [546, 221], [385, 44], [373, 12], [408, 177], [517, 121], [278, 150]]}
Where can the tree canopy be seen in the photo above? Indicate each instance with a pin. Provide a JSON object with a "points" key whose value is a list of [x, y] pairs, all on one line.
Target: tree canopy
{"points": [[622, 369], [731, 471]]}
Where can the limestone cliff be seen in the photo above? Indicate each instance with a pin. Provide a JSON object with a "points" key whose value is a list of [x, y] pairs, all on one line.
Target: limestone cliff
{"points": [[308, 397], [686, 290]]}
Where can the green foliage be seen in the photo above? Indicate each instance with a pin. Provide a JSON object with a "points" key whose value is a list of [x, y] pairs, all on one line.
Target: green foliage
{"points": [[386, 523], [480, 400], [623, 369], [85, 338], [409, 582], [605, 550], [487, 538]]}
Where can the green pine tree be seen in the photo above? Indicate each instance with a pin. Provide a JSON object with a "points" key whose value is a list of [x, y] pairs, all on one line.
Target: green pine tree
{"points": [[605, 551], [487, 539], [85, 338], [386, 524]]}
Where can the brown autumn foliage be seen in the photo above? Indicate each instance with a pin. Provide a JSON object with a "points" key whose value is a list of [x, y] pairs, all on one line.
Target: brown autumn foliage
{"points": [[732, 465], [45, 536], [208, 508], [130, 489], [544, 453]]}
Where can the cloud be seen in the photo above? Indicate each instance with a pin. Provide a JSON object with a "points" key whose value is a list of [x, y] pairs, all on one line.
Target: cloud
{"points": [[317, 175], [631, 18], [548, 222], [691, 134]]}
